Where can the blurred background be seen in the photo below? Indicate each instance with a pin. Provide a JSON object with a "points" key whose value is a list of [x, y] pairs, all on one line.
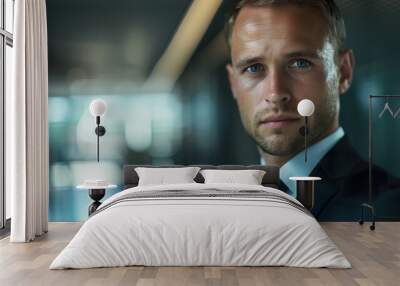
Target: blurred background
{"points": [[160, 66]]}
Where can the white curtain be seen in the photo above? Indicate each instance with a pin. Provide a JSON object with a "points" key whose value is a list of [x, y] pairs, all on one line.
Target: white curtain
{"points": [[27, 120]]}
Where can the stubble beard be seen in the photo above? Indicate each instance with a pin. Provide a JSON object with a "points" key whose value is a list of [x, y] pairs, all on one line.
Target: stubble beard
{"points": [[281, 143], [278, 143]]}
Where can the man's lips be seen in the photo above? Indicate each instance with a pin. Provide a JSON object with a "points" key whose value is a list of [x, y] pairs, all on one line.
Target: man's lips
{"points": [[278, 121]]}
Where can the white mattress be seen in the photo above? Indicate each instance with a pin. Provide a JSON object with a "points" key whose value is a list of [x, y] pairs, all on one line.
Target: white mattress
{"points": [[189, 231]]}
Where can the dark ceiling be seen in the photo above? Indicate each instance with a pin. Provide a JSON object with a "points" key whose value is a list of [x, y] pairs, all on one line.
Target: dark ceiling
{"points": [[125, 38], [100, 35]]}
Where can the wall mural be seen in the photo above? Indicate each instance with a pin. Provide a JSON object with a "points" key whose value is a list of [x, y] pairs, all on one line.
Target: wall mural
{"points": [[168, 88]]}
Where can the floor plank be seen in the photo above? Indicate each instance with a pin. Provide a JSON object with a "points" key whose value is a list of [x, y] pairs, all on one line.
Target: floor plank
{"points": [[374, 255]]}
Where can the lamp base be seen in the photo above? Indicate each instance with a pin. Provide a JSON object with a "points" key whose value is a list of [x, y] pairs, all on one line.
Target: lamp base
{"points": [[100, 130], [305, 193], [96, 195]]}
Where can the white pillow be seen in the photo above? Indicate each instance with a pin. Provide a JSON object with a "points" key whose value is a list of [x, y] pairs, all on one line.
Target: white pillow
{"points": [[163, 176], [248, 177]]}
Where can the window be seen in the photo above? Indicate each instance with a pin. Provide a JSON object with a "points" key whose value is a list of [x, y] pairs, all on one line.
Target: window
{"points": [[6, 44]]}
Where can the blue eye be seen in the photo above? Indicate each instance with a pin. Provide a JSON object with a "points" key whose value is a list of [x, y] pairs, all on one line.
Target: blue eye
{"points": [[256, 68], [300, 64]]}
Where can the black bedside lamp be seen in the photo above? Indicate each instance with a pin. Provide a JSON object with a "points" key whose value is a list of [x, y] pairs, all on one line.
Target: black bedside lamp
{"points": [[98, 108]]}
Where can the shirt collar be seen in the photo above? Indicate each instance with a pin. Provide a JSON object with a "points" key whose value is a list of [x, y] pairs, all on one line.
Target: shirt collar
{"points": [[296, 167]]}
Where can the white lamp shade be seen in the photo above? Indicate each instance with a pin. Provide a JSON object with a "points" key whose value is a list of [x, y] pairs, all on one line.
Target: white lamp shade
{"points": [[305, 107], [98, 107]]}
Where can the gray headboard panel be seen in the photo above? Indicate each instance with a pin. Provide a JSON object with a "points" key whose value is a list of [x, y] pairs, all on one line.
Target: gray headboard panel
{"points": [[270, 179]]}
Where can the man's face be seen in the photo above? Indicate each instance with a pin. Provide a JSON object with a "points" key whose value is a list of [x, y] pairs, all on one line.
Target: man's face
{"points": [[280, 55]]}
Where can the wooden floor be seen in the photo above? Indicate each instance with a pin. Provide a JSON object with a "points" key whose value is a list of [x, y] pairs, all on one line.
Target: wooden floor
{"points": [[374, 255]]}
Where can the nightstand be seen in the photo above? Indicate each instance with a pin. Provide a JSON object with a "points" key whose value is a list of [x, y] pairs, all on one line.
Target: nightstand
{"points": [[305, 190], [96, 193]]}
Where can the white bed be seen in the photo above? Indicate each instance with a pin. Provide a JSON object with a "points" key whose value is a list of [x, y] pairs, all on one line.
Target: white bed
{"points": [[248, 226]]}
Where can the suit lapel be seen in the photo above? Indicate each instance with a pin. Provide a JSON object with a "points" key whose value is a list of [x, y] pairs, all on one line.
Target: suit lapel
{"points": [[338, 164]]}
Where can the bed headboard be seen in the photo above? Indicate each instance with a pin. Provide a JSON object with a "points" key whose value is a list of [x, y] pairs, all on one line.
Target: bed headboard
{"points": [[270, 179]]}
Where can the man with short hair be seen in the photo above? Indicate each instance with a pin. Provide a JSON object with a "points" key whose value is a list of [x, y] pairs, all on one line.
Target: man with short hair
{"points": [[283, 51]]}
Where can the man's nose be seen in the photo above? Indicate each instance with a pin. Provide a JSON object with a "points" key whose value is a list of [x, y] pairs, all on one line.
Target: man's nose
{"points": [[276, 88]]}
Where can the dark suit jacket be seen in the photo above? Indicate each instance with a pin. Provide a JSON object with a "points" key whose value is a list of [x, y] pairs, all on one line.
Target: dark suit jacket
{"points": [[344, 186]]}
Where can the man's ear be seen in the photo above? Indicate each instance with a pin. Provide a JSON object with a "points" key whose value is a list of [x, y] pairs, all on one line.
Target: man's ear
{"points": [[229, 69], [346, 66]]}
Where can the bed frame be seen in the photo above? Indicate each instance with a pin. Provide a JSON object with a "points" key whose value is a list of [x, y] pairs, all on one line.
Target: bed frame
{"points": [[270, 179]]}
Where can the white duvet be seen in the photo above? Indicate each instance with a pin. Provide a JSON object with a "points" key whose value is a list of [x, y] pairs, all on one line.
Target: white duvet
{"points": [[190, 231]]}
